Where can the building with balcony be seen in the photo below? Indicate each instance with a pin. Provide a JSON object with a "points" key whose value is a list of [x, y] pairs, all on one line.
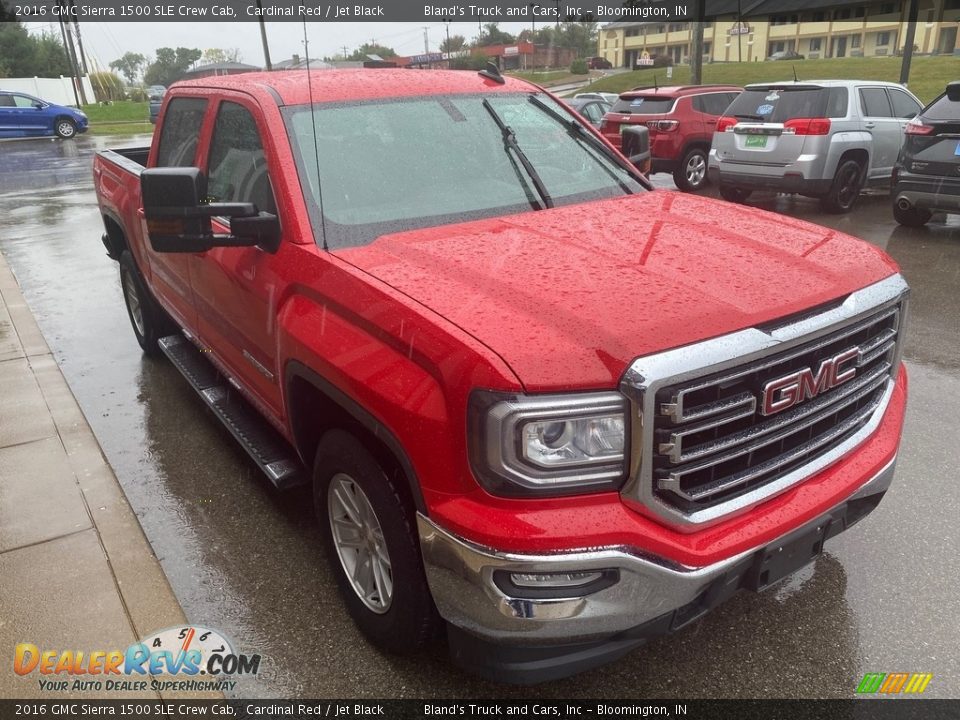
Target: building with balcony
{"points": [[749, 30]]}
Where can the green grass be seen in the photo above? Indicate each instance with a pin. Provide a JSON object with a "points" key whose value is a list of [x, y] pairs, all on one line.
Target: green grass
{"points": [[120, 111], [121, 128], [928, 75]]}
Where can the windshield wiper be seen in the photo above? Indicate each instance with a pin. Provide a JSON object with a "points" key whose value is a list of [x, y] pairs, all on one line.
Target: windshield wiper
{"points": [[510, 143], [748, 117], [578, 131]]}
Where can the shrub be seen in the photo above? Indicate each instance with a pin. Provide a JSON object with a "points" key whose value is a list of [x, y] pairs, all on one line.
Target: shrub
{"points": [[579, 67]]}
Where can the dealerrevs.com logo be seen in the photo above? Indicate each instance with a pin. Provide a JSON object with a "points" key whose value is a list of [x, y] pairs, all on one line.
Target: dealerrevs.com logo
{"points": [[183, 659], [894, 683]]}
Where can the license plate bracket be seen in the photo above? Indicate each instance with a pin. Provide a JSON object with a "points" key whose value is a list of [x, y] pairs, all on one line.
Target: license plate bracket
{"points": [[789, 554]]}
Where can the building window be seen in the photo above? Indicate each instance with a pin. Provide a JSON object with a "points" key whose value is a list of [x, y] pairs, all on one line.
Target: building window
{"points": [[816, 44], [706, 48], [887, 9], [860, 12], [883, 39], [854, 41], [819, 17], [841, 14], [676, 27], [633, 32]]}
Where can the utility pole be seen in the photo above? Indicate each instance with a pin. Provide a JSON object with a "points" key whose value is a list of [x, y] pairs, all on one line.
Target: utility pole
{"points": [[70, 60], [696, 43], [739, 32], [908, 43], [426, 46], [263, 37], [345, 53]]}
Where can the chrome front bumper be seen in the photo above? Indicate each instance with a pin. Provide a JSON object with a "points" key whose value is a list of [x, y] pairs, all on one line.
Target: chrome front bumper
{"points": [[461, 579]]}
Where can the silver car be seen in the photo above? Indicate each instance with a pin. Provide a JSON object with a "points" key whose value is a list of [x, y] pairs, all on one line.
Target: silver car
{"points": [[821, 138]]}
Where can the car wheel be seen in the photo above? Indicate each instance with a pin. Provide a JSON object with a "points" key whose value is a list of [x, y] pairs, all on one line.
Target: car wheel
{"points": [[845, 189], [150, 322], [372, 546], [733, 194], [692, 173], [65, 128], [911, 217]]}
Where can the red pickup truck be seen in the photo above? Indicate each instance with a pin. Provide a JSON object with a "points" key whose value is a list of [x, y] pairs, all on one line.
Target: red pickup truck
{"points": [[539, 404]]}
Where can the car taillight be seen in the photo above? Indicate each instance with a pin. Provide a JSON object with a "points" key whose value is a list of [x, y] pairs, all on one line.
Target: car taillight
{"points": [[808, 126], [726, 123], [916, 127], [662, 125]]}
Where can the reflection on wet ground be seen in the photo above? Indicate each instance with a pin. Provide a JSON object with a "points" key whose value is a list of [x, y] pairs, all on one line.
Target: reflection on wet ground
{"points": [[246, 560]]}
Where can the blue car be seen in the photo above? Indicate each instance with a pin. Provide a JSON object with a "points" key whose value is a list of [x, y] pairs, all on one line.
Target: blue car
{"points": [[23, 115]]}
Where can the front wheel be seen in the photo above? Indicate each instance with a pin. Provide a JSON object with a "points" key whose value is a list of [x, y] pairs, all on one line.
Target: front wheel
{"points": [[733, 194], [845, 189], [65, 128], [692, 173], [372, 546], [149, 321]]}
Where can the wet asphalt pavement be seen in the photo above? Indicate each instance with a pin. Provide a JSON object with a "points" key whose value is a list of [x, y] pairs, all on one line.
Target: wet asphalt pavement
{"points": [[246, 560]]}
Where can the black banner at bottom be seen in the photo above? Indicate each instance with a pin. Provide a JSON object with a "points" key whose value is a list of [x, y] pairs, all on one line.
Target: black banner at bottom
{"points": [[858, 709]]}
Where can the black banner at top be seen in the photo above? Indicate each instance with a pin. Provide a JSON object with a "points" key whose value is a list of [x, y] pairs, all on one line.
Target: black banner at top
{"points": [[349, 10]]}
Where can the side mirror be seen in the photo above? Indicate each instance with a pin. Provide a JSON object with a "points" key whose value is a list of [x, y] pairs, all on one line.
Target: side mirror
{"points": [[635, 142], [38, 106], [178, 216], [953, 91]]}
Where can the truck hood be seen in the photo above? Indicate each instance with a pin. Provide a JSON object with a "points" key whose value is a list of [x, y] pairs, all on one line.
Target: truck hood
{"points": [[569, 297]]}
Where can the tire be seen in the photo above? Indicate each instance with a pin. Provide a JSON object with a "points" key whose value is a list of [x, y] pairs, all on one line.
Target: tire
{"points": [[65, 128], [911, 217], [733, 194], [149, 321], [692, 173], [845, 189], [372, 546]]}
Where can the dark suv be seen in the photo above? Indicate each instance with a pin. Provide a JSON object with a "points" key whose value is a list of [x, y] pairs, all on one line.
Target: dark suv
{"points": [[681, 121], [926, 177]]}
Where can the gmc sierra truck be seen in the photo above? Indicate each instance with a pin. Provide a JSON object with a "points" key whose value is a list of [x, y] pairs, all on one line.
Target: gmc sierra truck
{"points": [[540, 405]]}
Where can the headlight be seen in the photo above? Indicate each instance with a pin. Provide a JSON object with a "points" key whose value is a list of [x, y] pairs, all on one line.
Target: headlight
{"points": [[548, 444], [82, 114]]}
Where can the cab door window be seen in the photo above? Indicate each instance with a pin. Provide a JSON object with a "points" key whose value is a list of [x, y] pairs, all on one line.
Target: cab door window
{"points": [[237, 167], [180, 134]]}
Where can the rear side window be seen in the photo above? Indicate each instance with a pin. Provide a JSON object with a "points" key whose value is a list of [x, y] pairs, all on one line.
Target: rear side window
{"points": [[837, 102], [712, 104], [643, 105], [874, 103], [943, 108], [777, 105], [181, 132], [237, 165], [6, 101], [904, 106]]}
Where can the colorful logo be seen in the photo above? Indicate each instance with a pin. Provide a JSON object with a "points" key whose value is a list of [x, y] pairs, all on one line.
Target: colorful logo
{"points": [[202, 658], [894, 683]]}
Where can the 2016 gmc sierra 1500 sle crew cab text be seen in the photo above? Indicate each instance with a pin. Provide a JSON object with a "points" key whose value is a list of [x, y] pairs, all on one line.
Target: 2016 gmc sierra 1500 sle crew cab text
{"points": [[540, 404]]}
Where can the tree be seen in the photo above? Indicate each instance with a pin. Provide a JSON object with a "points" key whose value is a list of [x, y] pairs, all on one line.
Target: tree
{"points": [[455, 43], [26, 55], [493, 35], [372, 49], [170, 65], [219, 55], [129, 66], [106, 86]]}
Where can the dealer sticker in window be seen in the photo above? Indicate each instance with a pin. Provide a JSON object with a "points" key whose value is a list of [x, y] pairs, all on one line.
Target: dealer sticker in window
{"points": [[957, 151], [764, 110], [756, 141]]}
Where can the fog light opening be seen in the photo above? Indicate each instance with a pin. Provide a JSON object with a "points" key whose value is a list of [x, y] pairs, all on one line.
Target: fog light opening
{"points": [[554, 585]]}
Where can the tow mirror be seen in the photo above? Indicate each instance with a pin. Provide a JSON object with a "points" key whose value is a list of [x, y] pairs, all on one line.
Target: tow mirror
{"points": [[635, 141], [953, 91], [178, 216]]}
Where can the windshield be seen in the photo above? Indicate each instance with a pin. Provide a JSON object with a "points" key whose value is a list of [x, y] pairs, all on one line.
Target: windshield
{"points": [[412, 163]]}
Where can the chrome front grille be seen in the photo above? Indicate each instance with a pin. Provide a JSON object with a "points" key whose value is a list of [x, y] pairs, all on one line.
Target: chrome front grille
{"points": [[708, 446]]}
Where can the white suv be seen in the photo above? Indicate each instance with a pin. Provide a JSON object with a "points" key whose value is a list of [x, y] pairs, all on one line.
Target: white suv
{"points": [[822, 138]]}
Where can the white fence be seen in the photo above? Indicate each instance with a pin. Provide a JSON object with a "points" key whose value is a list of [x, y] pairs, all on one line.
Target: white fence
{"points": [[58, 91]]}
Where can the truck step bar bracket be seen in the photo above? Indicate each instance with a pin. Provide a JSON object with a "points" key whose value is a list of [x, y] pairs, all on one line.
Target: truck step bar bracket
{"points": [[272, 454]]}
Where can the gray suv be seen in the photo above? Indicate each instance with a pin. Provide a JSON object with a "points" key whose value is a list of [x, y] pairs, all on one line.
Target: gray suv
{"points": [[822, 138]]}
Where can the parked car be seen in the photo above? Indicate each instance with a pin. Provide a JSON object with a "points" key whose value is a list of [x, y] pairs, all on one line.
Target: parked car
{"points": [[592, 110], [534, 399], [607, 97], [824, 139], [785, 55], [926, 178], [599, 63], [155, 95], [23, 115], [681, 120]]}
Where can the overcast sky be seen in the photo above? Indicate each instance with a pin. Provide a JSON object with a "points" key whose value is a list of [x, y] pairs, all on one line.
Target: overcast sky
{"points": [[106, 41]]}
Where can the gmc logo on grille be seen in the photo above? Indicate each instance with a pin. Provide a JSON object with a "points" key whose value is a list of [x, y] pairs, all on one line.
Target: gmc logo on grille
{"points": [[787, 391]]}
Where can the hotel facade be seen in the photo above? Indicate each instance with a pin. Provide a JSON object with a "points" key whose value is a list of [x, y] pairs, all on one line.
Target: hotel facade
{"points": [[751, 30]]}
